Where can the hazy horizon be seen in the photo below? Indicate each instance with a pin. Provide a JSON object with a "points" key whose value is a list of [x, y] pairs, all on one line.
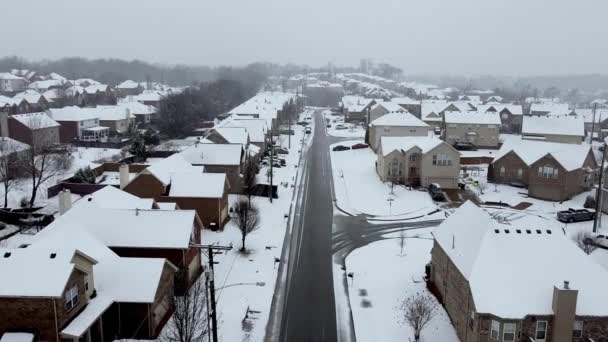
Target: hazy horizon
{"points": [[471, 37]]}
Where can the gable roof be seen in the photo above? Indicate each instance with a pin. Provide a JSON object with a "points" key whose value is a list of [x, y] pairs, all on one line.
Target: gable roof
{"points": [[213, 154], [233, 135], [570, 156], [110, 197], [399, 119], [196, 184], [113, 113], [128, 84], [257, 128], [390, 106], [164, 168], [425, 144], [488, 118], [35, 121], [73, 113], [490, 254], [552, 125]]}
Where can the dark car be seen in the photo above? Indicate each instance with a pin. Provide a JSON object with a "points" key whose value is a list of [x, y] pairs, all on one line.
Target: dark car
{"points": [[359, 146], [575, 215], [465, 146], [280, 150], [436, 192], [340, 148], [303, 123]]}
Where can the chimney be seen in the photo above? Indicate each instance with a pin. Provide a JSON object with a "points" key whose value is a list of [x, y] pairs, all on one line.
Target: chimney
{"points": [[124, 175], [564, 312], [65, 201]]}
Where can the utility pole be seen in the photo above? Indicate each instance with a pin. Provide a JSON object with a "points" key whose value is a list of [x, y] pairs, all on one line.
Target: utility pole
{"points": [[271, 167], [211, 249], [598, 194], [593, 124]]}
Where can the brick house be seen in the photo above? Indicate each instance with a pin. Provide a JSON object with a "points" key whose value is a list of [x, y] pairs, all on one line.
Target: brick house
{"points": [[98, 94], [397, 124], [560, 129], [418, 161], [85, 292], [550, 171], [481, 271], [481, 129], [78, 124], [218, 158], [356, 108], [36, 128], [35, 101], [156, 182], [128, 87], [511, 116], [256, 128]]}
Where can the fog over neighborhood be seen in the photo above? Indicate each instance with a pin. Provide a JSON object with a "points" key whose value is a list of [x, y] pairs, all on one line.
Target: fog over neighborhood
{"points": [[516, 38]]}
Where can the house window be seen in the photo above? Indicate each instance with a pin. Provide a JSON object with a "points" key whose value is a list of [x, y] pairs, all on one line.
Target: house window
{"points": [[520, 173], [441, 160], [508, 333], [502, 171], [386, 129], [541, 330], [548, 172], [494, 330], [394, 169], [505, 116], [71, 297], [577, 330], [413, 157], [86, 284]]}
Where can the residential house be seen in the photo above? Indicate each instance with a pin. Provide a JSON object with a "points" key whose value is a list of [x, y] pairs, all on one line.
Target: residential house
{"points": [[551, 171], [431, 112], [550, 108], [356, 108], [128, 87], [218, 158], [117, 118], [265, 105], [156, 181], [35, 101], [411, 105], [11, 84], [143, 114], [481, 129], [28, 75], [234, 135], [12, 105], [398, 124], [44, 85], [474, 261], [148, 97], [594, 122], [386, 107], [511, 116], [99, 94], [418, 161], [256, 128], [34, 128], [79, 124], [323, 94], [564, 129], [15, 151]]}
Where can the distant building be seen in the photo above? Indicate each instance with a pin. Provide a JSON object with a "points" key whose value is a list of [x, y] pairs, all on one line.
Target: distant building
{"points": [[34, 128], [398, 124], [481, 129], [10, 83], [564, 129]]}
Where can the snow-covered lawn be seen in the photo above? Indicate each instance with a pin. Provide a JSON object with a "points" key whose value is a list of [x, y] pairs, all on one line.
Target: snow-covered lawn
{"points": [[358, 189], [338, 128], [383, 278], [247, 281]]}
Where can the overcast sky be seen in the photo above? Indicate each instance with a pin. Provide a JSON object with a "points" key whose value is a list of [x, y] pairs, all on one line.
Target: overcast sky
{"points": [[471, 37]]}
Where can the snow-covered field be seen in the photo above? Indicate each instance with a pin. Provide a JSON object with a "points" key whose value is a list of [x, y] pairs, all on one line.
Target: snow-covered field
{"points": [[248, 280], [382, 279], [358, 189]]}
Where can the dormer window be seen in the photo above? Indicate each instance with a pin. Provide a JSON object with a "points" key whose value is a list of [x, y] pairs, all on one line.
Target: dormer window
{"points": [[71, 297]]}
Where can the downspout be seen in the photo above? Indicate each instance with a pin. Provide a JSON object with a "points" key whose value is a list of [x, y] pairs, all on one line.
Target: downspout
{"points": [[56, 325]]}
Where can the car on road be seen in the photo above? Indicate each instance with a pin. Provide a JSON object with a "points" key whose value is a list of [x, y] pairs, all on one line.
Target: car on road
{"points": [[341, 126], [359, 146], [328, 126], [308, 130], [436, 192], [600, 240], [340, 148], [575, 215]]}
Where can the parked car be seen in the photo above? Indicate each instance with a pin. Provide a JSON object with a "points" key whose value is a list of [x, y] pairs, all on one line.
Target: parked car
{"points": [[280, 150], [340, 148], [465, 146], [341, 126], [601, 240], [436, 192], [359, 146], [576, 215], [302, 123], [308, 130], [328, 126]]}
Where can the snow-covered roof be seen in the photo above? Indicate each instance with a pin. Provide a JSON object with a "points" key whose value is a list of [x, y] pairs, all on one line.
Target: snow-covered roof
{"points": [[73, 113], [404, 144], [550, 108], [257, 128], [399, 119], [32, 97], [135, 228], [138, 108], [405, 101], [128, 84], [35, 120], [213, 154], [390, 106], [570, 156], [85, 82], [264, 105], [551, 125], [45, 276], [490, 254], [167, 205], [45, 84], [196, 184], [56, 76], [114, 113], [499, 107], [234, 135], [488, 118], [601, 114], [17, 337], [9, 145], [164, 168], [9, 76], [94, 88], [74, 90], [147, 95], [111, 197]]}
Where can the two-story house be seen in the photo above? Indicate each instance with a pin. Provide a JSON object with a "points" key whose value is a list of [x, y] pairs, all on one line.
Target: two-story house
{"points": [[34, 128], [219, 158], [560, 129], [480, 129], [78, 124], [398, 124]]}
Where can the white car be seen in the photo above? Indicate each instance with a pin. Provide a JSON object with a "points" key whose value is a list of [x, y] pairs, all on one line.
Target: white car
{"points": [[601, 240], [308, 130]]}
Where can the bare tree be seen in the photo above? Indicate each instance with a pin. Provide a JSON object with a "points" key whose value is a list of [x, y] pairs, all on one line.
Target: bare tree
{"points": [[418, 310], [402, 241], [584, 240], [247, 219], [9, 164], [250, 172], [190, 321], [42, 161]]}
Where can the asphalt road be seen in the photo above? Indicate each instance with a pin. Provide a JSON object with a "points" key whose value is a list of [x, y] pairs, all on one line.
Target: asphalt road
{"points": [[309, 313]]}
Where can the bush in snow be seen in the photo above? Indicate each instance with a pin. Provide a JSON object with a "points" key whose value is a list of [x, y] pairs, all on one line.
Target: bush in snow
{"points": [[417, 311]]}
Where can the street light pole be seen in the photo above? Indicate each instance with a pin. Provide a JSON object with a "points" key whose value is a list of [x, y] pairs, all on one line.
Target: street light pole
{"points": [[598, 194]]}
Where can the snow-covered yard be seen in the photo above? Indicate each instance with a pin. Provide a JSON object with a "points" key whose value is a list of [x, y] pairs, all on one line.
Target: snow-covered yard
{"points": [[358, 189], [338, 128], [382, 279], [247, 281]]}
